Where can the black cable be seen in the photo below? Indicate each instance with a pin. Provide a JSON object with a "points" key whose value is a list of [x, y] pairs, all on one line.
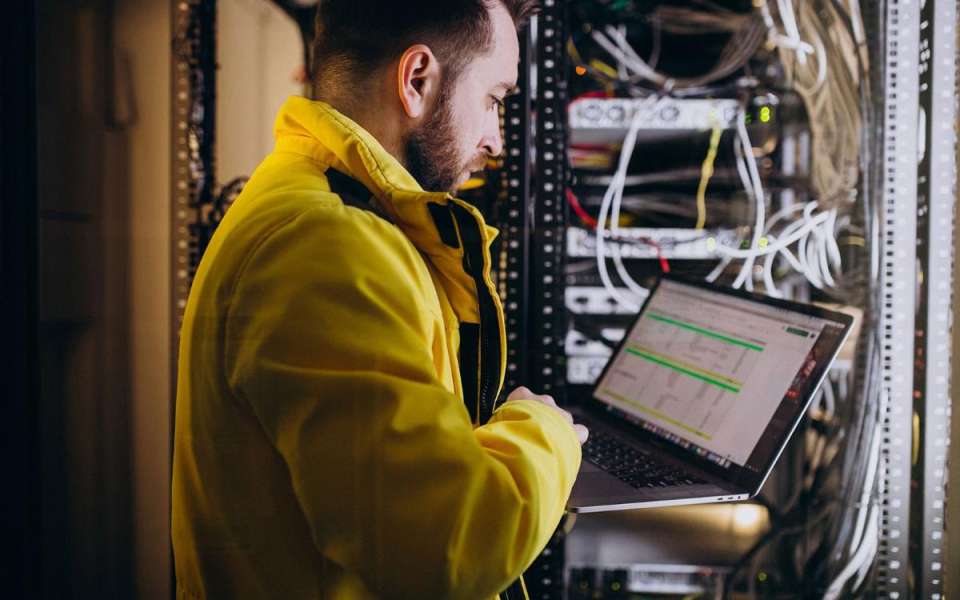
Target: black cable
{"points": [[784, 527]]}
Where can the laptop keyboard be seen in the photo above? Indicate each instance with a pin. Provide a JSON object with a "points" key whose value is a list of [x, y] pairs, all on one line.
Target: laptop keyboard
{"points": [[632, 466]]}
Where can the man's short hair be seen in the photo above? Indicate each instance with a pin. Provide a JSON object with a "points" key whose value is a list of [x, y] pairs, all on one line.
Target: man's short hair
{"points": [[355, 37]]}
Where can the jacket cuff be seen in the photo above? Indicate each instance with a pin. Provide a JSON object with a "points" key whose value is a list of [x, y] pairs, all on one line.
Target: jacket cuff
{"points": [[555, 426]]}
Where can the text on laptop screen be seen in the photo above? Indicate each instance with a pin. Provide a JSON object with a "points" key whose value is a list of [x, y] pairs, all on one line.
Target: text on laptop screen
{"points": [[709, 370]]}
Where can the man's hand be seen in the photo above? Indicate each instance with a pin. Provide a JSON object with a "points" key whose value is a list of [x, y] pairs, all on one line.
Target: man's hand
{"points": [[524, 393]]}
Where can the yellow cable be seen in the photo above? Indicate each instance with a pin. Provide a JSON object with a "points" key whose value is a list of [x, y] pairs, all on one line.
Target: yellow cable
{"points": [[706, 172], [604, 68], [574, 53]]}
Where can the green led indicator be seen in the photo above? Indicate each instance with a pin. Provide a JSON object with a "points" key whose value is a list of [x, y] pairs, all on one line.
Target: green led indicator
{"points": [[765, 114]]}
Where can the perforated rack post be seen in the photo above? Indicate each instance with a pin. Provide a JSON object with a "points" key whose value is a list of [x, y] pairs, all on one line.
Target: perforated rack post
{"points": [[936, 196], [514, 221], [898, 231], [194, 70], [548, 318]]}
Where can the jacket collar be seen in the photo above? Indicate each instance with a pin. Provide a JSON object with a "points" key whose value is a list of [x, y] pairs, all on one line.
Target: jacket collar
{"points": [[318, 131]]}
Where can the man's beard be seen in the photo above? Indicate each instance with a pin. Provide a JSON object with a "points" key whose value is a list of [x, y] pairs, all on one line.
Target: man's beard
{"points": [[431, 149]]}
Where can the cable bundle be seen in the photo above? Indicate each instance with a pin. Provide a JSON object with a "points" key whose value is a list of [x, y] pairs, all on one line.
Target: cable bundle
{"points": [[822, 63], [813, 234]]}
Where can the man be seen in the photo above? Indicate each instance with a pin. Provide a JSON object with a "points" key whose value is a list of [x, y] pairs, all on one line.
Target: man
{"points": [[343, 345]]}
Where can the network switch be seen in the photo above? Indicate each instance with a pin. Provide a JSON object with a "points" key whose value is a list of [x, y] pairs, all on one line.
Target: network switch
{"points": [[605, 120]]}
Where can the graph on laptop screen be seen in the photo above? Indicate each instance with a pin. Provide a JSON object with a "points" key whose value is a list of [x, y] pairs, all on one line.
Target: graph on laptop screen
{"points": [[709, 368]]}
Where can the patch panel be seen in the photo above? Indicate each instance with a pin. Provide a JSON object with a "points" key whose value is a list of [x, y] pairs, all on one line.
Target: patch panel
{"points": [[644, 243], [591, 300]]}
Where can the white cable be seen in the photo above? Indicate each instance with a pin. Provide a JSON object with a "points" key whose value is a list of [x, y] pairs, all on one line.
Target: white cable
{"points": [[867, 562], [626, 153], [812, 259], [712, 276], [833, 248], [865, 533], [807, 251], [822, 236], [768, 284], [601, 261], [873, 460], [794, 262], [790, 41], [640, 66], [622, 68], [862, 557], [821, 63], [637, 66], [751, 188], [780, 244], [615, 191], [760, 201], [789, 19], [857, 21]]}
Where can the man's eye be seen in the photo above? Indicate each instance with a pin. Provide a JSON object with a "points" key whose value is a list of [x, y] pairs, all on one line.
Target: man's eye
{"points": [[497, 102]]}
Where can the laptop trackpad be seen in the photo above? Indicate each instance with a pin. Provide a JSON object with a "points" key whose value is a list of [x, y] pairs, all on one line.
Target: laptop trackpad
{"points": [[588, 467]]}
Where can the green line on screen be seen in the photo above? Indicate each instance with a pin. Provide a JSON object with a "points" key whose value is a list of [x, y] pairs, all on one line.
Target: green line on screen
{"points": [[706, 332], [658, 414], [682, 369], [674, 361]]}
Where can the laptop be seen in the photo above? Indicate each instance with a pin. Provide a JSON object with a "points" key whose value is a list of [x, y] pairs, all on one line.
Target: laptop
{"points": [[701, 396]]}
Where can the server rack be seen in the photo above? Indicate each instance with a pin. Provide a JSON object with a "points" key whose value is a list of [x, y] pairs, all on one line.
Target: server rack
{"points": [[914, 58]]}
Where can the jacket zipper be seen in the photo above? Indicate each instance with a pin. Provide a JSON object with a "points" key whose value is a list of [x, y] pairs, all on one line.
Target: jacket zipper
{"points": [[489, 358]]}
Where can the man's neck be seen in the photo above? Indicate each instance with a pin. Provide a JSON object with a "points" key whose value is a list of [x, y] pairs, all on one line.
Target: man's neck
{"points": [[376, 122]]}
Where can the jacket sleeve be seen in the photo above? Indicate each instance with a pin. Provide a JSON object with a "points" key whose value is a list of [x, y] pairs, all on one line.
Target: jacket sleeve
{"points": [[329, 343]]}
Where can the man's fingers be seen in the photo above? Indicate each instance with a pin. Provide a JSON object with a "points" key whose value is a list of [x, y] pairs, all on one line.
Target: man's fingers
{"points": [[520, 393], [582, 433], [524, 393]]}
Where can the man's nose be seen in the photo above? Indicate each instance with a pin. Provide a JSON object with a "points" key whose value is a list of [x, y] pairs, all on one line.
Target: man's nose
{"points": [[492, 142]]}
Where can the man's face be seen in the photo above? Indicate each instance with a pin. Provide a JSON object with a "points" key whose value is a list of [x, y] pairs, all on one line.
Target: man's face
{"points": [[464, 127]]}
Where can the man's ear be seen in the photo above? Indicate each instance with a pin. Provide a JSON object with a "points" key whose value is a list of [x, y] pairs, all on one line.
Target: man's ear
{"points": [[418, 80]]}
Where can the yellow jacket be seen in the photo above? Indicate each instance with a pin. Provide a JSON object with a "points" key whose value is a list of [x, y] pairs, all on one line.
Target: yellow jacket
{"points": [[329, 443]]}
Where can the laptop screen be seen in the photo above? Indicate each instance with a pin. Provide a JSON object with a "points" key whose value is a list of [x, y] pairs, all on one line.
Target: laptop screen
{"points": [[723, 375]]}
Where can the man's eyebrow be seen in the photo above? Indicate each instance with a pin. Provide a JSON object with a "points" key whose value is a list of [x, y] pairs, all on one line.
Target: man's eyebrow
{"points": [[508, 87]]}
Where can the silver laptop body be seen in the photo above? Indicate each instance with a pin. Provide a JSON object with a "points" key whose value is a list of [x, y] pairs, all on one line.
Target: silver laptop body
{"points": [[701, 396]]}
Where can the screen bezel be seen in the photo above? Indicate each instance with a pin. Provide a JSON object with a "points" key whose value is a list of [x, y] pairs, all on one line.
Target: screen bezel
{"points": [[734, 474]]}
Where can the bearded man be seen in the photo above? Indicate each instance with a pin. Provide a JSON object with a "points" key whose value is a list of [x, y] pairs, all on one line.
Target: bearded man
{"points": [[343, 346]]}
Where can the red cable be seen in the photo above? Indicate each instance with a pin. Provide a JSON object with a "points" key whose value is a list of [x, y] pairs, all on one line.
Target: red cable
{"points": [[578, 208], [592, 224], [664, 265]]}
